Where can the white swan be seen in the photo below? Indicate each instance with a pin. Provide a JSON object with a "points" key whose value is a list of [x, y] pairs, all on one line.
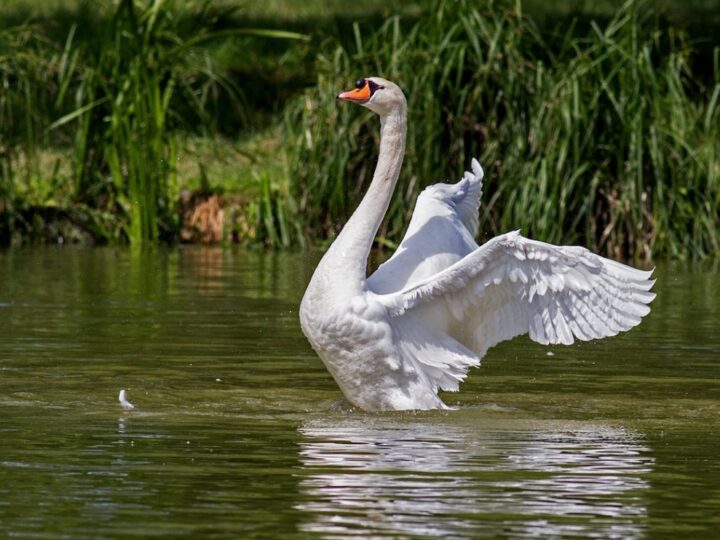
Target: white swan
{"points": [[431, 311]]}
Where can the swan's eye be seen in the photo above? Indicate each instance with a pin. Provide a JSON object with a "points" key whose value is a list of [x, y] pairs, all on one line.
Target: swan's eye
{"points": [[360, 83], [374, 86]]}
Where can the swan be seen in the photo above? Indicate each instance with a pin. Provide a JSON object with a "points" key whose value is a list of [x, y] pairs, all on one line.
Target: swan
{"points": [[431, 311]]}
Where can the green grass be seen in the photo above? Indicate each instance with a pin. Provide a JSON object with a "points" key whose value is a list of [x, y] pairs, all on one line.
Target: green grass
{"points": [[119, 102], [593, 130], [606, 139]]}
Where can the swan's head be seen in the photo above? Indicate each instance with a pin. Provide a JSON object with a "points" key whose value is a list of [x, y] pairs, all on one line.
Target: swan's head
{"points": [[377, 94]]}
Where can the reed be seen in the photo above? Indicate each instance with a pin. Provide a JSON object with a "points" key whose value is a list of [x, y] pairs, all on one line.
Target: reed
{"points": [[24, 76], [118, 99], [607, 139], [130, 89], [273, 213]]}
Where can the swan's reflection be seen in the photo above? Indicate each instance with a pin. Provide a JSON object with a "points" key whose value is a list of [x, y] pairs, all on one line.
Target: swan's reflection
{"points": [[378, 476]]}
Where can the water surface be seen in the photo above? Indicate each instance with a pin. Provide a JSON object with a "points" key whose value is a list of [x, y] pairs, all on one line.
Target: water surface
{"points": [[238, 430]]}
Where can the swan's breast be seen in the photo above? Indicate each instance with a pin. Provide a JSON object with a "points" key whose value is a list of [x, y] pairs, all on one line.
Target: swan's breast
{"points": [[355, 342], [355, 328]]}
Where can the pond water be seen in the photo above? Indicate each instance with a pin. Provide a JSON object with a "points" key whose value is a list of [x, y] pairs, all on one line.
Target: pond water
{"points": [[239, 432]]}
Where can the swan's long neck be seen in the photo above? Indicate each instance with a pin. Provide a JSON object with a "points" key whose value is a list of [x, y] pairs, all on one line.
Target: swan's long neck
{"points": [[348, 254]]}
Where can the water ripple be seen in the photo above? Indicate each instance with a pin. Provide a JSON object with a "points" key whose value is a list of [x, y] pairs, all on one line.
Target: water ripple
{"points": [[430, 479]]}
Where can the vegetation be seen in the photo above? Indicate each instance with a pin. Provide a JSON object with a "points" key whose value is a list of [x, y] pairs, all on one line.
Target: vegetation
{"points": [[603, 132], [606, 139], [118, 103]]}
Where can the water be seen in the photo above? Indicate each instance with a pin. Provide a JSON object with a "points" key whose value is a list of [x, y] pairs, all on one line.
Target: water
{"points": [[238, 430]]}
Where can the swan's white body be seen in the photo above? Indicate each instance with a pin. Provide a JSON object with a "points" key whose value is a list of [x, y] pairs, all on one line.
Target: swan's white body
{"points": [[429, 313]]}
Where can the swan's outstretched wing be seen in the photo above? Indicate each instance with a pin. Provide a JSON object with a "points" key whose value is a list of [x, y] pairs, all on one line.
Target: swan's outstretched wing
{"points": [[512, 286], [441, 232]]}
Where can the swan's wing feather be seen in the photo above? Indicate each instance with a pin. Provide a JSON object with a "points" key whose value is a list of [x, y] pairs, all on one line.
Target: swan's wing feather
{"points": [[462, 198], [467, 204], [512, 286], [441, 232], [437, 357]]}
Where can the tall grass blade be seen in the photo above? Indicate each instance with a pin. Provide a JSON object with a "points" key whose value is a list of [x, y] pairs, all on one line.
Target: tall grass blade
{"points": [[606, 139]]}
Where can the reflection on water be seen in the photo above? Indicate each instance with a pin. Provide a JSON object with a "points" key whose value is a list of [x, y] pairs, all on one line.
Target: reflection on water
{"points": [[389, 476]]}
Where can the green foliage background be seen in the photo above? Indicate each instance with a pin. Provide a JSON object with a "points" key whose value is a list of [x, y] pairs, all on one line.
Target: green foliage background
{"points": [[605, 138], [597, 127]]}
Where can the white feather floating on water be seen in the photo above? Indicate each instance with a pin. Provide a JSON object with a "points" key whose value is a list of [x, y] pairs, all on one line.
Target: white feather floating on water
{"points": [[124, 403]]}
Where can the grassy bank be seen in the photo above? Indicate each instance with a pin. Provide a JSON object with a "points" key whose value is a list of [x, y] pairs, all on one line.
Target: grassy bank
{"points": [[102, 116], [595, 126], [605, 138]]}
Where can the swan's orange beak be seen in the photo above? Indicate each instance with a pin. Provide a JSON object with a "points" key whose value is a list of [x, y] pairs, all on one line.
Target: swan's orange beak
{"points": [[360, 94]]}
